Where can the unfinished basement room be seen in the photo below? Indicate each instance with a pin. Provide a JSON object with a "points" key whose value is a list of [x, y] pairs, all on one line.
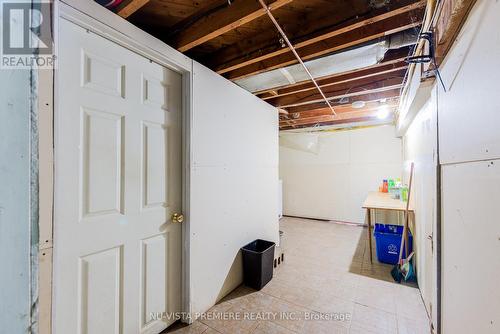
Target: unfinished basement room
{"points": [[249, 166]]}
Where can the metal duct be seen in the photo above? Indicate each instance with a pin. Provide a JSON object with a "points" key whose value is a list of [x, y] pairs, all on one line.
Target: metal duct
{"points": [[344, 61], [347, 60], [402, 39]]}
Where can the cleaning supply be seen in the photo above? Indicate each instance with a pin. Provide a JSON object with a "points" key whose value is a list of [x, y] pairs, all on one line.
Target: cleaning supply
{"points": [[395, 192], [390, 184], [385, 186], [401, 269], [404, 194], [398, 182], [407, 268], [404, 270]]}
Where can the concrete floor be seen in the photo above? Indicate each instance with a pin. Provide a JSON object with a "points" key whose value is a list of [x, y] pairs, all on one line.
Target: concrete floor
{"points": [[326, 285]]}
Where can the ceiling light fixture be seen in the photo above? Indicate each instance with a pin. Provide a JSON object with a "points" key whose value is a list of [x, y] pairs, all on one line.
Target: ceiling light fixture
{"points": [[383, 112], [358, 104]]}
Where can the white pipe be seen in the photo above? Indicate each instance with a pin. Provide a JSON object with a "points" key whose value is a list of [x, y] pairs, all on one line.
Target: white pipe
{"points": [[276, 24]]}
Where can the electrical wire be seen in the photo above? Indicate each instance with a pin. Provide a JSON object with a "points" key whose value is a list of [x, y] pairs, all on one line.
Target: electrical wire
{"points": [[292, 48]]}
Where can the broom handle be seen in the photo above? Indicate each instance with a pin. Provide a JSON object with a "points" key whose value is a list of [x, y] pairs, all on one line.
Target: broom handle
{"points": [[404, 237]]}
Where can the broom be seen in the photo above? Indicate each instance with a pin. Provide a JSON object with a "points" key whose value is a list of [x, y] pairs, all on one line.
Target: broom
{"points": [[403, 268]]}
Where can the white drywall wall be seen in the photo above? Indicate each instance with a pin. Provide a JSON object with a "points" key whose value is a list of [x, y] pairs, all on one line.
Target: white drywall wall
{"points": [[15, 208], [420, 147], [234, 182], [333, 183], [471, 248], [469, 139], [469, 113]]}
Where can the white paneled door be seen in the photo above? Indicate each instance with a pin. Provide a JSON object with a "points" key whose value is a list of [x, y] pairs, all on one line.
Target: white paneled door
{"points": [[118, 181]]}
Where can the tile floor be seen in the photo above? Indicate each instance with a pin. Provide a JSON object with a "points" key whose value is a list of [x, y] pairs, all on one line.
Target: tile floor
{"points": [[326, 285]]}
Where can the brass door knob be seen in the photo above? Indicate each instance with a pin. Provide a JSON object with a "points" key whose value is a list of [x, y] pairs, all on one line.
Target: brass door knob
{"points": [[177, 218]]}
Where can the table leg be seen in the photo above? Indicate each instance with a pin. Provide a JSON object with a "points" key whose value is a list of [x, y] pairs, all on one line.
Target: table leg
{"points": [[369, 221]]}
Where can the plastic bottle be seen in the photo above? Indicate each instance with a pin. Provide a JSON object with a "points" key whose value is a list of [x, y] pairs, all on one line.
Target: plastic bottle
{"points": [[398, 182], [390, 184], [385, 187], [404, 194]]}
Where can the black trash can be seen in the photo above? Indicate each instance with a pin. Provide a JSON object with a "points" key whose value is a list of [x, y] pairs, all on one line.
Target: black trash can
{"points": [[258, 259]]}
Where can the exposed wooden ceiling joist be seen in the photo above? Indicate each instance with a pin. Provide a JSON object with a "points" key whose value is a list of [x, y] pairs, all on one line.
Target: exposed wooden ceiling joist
{"points": [[451, 18], [224, 62], [323, 42], [393, 60], [373, 96], [236, 39], [298, 19], [362, 87], [333, 122], [326, 47], [222, 21], [329, 118], [352, 77], [129, 7], [346, 108]]}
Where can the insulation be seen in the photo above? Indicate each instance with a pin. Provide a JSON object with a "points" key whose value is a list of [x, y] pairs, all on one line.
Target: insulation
{"points": [[337, 63]]}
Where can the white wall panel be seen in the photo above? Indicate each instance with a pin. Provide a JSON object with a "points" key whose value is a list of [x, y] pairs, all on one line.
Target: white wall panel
{"points": [[471, 248], [333, 183], [15, 201], [469, 136], [234, 182], [469, 112], [420, 147]]}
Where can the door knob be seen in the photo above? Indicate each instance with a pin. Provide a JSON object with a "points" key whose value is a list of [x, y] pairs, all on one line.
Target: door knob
{"points": [[177, 218]]}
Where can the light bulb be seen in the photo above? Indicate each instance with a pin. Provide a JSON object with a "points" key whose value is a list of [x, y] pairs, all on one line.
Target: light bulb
{"points": [[383, 112]]}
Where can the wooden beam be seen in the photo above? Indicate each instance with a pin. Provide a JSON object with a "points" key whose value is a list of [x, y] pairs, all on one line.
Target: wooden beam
{"points": [[362, 87], [377, 96], [333, 122], [335, 44], [228, 62], [329, 118], [343, 109], [323, 42], [452, 16], [323, 17], [351, 77], [392, 59], [211, 26], [127, 8]]}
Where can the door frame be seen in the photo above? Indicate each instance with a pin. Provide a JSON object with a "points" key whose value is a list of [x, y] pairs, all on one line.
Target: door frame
{"points": [[93, 17]]}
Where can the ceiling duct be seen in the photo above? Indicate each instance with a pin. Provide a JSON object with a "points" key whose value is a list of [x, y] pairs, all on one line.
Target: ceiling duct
{"points": [[379, 3], [337, 63], [353, 59], [402, 39]]}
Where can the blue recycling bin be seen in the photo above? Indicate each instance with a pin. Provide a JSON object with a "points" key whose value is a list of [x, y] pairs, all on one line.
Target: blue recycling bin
{"points": [[388, 242]]}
